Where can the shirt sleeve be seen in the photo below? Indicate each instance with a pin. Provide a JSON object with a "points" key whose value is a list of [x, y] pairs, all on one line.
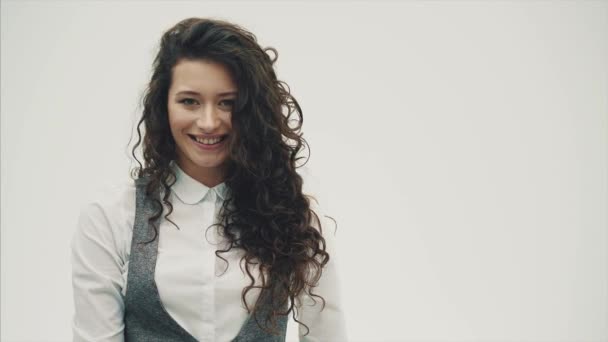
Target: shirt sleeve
{"points": [[96, 278], [327, 325]]}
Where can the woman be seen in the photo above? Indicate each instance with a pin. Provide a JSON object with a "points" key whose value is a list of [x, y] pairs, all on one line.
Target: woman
{"points": [[214, 239]]}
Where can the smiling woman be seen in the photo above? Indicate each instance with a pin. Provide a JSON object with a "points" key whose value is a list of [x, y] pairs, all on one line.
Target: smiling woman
{"points": [[243, 247], [201, 99]]}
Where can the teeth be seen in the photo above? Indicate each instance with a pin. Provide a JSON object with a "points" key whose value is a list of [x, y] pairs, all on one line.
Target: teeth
{"points": [[208, 141]]}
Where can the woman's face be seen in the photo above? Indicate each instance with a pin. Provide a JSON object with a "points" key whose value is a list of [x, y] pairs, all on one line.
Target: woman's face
{"points": [[200, 103]]}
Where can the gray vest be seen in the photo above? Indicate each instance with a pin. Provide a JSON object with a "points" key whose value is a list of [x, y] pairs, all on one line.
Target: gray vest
{"points": [[145, 316]]}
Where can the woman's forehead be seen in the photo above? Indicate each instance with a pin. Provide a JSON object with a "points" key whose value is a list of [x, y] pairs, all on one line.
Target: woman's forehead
{"points": [[203, 77]]}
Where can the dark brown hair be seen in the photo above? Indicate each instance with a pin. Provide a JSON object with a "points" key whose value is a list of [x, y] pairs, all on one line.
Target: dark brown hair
{"points": [[266, 213]]}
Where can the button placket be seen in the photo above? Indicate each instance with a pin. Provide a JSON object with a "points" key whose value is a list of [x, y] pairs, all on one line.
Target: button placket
{"points": [[209, 206]]}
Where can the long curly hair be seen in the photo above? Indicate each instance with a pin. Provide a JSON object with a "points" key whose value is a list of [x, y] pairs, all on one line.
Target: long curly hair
{"points": [[266, 213]]}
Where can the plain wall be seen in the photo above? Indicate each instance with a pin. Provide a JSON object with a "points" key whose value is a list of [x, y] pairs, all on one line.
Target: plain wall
{"points": [[460, 145]]}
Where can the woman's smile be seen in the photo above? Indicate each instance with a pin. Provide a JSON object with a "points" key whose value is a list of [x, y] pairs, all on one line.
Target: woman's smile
{"points": [[208, 144]]}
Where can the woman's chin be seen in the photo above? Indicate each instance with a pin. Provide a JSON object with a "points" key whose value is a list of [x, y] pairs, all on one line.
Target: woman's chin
{"points": [[208, 163]]}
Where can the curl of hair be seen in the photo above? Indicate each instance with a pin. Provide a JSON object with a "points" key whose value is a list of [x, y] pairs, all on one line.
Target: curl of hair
{"points": [[266, 213]]}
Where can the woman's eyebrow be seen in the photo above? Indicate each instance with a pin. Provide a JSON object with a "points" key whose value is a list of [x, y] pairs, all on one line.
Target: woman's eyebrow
{"points": [[190, 92]]}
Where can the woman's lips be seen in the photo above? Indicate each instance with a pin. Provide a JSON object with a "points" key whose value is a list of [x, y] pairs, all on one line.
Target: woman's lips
{"points": [[208, 147]]}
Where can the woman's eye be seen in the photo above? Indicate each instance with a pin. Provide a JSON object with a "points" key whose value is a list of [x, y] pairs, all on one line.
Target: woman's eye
{"points": [[229, 103], [185, 101]]}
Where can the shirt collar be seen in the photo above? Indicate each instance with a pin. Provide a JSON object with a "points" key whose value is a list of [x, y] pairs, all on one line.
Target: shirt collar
{"points": [[191, 191]]}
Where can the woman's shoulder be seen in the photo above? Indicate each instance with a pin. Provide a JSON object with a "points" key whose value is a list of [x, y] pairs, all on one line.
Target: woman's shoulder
{"points": [[109, 209], [106, 220]]}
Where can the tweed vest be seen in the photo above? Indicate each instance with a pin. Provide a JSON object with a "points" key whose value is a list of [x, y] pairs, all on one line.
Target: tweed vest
{"points": [[145, 316]]}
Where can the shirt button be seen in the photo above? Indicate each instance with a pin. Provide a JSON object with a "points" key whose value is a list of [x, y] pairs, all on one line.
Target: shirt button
{"points": [[211, 195]]}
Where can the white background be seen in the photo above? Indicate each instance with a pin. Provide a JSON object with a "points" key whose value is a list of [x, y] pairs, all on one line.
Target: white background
{"points": [[461, 146]]}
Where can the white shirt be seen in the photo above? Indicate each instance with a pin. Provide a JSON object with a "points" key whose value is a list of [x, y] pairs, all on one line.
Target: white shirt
{"points": [[199, 290]]}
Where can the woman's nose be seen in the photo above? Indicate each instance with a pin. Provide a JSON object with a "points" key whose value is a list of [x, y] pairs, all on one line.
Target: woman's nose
{"points": [[208, 118]]}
